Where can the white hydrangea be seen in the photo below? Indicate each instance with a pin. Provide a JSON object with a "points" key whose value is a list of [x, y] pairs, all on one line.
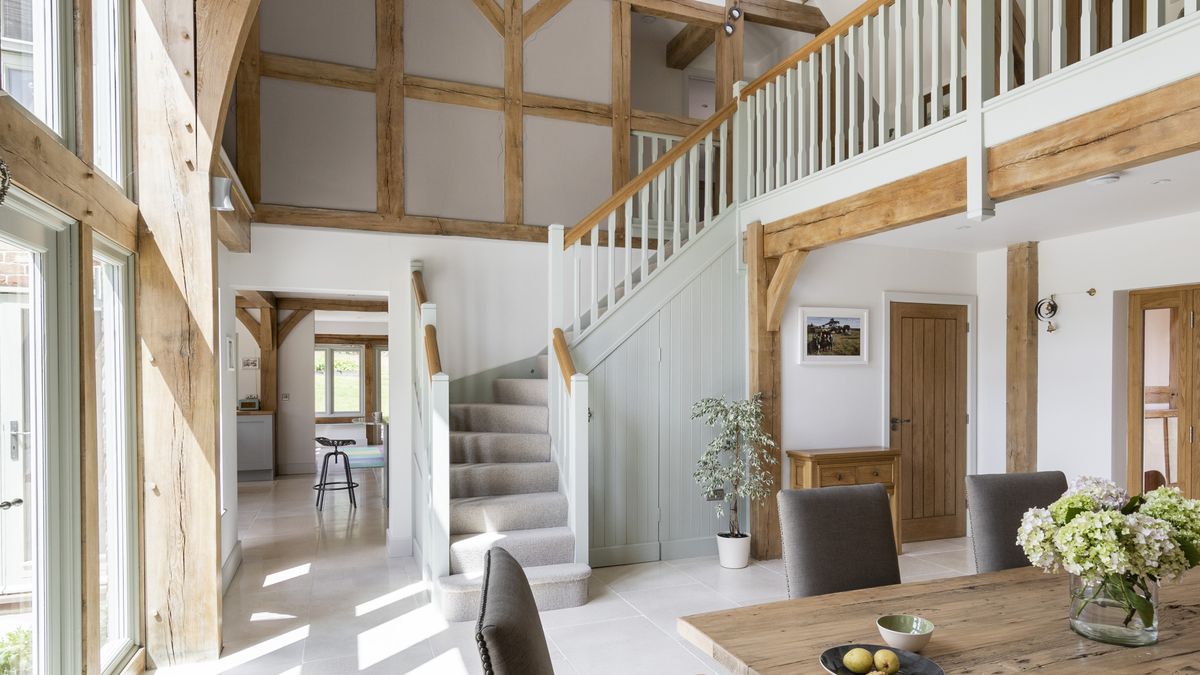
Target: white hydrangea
{"points": [[1107, 494], [1036, 536], [1153, 550]]}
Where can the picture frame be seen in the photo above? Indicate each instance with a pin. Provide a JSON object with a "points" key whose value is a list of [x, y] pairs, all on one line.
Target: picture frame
{"points": [[249, 363], [834, 336]]}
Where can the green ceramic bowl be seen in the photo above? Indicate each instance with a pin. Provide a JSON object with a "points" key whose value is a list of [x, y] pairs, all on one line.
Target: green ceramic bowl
{"points": [[905, 631]]}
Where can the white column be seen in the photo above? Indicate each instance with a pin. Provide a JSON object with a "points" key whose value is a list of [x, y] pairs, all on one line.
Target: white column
{"points": [[981, 70], [440, 474], [578, 505]]}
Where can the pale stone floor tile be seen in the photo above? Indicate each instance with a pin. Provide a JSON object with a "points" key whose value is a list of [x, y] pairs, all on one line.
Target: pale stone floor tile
{"points": [[317, 595]]}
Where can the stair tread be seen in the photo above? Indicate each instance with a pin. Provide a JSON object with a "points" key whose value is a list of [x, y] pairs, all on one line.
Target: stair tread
{"points": [[537, 574], [503, 499], [464, 541]]}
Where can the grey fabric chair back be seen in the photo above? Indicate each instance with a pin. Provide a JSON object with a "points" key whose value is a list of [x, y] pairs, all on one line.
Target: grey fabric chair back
{"points": [[837, 539], [996, 503], [509, 632]]}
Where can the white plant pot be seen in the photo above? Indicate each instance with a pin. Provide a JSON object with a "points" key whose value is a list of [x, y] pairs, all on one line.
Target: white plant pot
{"points": [[734, 551]]}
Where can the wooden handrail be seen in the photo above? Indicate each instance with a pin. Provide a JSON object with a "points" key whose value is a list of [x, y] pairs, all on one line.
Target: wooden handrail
{"points": [[826, 37], [418, 282], [563, 354], [432, 356], [643, 179]]}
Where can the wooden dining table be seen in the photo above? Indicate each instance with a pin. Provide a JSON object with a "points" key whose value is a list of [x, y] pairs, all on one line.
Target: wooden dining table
{"points": [[1002, 622]]}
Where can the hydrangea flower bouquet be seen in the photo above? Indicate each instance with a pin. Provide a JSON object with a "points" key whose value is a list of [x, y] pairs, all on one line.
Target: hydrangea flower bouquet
{"points": [[1117, 550]]}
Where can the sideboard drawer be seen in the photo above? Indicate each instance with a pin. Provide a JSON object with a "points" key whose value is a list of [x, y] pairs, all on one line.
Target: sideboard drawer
{"points": [[875, 473], [838, 475]]}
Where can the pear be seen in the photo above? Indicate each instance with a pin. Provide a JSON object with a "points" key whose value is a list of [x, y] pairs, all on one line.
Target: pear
{"points": [[886, 661], [858, 660]]}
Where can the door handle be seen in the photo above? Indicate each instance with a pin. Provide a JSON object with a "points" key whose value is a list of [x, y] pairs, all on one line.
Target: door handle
{"points": [[4, 506], [896, 422]]}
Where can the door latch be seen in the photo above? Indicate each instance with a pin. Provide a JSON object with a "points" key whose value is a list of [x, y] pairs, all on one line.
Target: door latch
{"points": [[4, 506], [896, 422]]}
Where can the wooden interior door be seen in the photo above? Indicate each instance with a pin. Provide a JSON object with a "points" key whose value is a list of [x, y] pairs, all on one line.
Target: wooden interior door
{"points": [[928, 384], [1163, 371]]}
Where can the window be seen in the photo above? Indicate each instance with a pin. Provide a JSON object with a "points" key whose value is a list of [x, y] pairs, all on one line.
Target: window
{"points": [[110, 87], [115, 456], [32, 54], [338, 380]]}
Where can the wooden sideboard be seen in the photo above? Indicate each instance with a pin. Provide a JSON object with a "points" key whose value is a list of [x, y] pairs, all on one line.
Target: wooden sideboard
{"points": [[850, 466]]}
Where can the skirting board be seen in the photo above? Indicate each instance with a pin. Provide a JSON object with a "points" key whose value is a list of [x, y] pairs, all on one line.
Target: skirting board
{"points": [[230, 568], [399, 547], [689, 548]]}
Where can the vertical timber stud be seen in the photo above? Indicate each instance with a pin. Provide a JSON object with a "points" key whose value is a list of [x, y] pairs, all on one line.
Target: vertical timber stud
{"points": [[1022, 357], [89, 458], [514, 114], [621, 55], [84, 104], [268, 343], [176, 316], [729, 56], [389, 106], [764, 377], [981, 45], [249, 121]]}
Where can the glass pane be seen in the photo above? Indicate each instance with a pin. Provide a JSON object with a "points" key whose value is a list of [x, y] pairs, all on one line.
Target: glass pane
{"points": [[112, 457], [319, 380], [1160, 423], [384, 382], [347, 370], [109, 86], [21, 440], [30, 44]]}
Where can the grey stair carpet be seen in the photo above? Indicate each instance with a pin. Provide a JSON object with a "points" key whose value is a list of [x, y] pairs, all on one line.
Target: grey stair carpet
{"points": [[504, 490]]}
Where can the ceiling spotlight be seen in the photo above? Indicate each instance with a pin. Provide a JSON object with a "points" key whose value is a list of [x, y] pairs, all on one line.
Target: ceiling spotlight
{"points": [[735, 13], [729, 29], [1106, 179]]}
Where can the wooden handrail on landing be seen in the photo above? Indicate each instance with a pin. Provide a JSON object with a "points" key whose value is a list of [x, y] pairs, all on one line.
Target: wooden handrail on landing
{"points": [[563, 354], [418, 283], [432, 356]]}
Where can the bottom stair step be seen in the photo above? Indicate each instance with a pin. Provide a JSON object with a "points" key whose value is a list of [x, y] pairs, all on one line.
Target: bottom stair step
{"points": [[554, 587], [531, 548]]}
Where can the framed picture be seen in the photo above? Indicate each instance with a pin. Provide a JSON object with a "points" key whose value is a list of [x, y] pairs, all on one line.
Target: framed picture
{"points": [[249, 363], [833, 335]]}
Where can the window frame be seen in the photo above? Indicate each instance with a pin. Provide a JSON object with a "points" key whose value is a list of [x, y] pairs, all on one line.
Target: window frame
{"points": [[330, 410], [114, 656], [122, 122], [59, 56], [379, 352]]}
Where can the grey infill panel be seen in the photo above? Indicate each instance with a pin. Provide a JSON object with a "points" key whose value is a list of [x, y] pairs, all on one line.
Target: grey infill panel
{"points": [[623, 476], [702, 333]]}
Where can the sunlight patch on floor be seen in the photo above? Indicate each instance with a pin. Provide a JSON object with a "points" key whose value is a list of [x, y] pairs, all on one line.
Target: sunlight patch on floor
{"points": [[284, 575], [393, 637], [389, 598], [447, 663]]}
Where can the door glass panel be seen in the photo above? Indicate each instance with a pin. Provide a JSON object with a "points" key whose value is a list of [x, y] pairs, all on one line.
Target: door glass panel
{"points": [[347, 380], [22, 440], [1160, 396]]}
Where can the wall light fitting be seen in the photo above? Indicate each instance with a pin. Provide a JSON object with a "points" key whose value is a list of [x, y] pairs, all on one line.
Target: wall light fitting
{"points": [[220, 196], [729, 29], [735, 13]]}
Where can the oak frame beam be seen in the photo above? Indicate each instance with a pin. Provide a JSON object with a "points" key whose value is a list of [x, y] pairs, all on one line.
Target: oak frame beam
{"points": [[389, 106], [688, 44], [247, 89], [687, 11], [332, 305], [313, 71], [539, 14], [233, 227], [258, 299], [514, 114], [764, 377], [492, 12], [795, 16], [1021, 362], [780, 287], [280, 214], [622, 29], [249, 322], [287, 325]]}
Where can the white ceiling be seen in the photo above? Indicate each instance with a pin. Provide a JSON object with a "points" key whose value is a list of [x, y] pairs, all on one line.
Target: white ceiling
{"points": [[350, 317], [1066, 211]]}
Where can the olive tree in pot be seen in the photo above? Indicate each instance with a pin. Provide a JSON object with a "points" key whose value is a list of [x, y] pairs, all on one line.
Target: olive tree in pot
{"points": [[735, 464]]}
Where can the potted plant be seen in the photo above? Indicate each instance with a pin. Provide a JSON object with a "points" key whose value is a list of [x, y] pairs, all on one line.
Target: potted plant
{"points": [[1117, 549], [733, 466]]}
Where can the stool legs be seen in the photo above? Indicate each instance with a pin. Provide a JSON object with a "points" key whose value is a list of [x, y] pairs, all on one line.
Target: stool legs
{"points": [[321, 485], [350, 482], [338, 456]]}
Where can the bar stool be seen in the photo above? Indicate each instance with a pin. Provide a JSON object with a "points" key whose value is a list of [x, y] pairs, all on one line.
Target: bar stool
{"points": [[326, 484]]}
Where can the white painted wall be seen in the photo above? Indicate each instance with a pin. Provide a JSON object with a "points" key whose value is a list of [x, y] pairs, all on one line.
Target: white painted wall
{"points": [[492, 308], [350, 327], [842, 406], [227, 415], [992, 325], [294, 418], [249, 382], [1081, 380]]}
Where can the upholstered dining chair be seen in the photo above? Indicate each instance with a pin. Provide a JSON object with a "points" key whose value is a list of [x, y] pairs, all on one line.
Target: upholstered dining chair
{"points": [[996, 503], [837, 539], [509, 632]]}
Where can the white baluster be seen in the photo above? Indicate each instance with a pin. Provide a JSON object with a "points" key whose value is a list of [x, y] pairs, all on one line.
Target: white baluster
{"points": [[769, 178], [1120, 21], [789, 174], [956, 59], [778, 171], [612, 259], [1087, 30], [883, 30], [708, 179], [661, 184], [838, 110], [760, 143], [1006, 45], [1031, 41], [802, 90], [868, 42], [653, 159], [814, 139], [899, 19], [1191, 6], [1058, 36], [918, 73], [693, 192], [595, 246], [1154, 14], [628, 246], [852, 82], [826, 95], [576, 283], [748, 106], [935, 72], [644, 230], [677, 202], [726, 141]]}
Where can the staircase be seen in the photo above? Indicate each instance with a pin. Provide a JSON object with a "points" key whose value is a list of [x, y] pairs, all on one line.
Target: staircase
{"points": [[504, 490]]}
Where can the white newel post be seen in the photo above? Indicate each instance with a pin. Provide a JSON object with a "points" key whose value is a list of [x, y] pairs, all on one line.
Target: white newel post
{"points": [[981, 73], [578, 504], [554, 285], [740, 140], [440, 473]]}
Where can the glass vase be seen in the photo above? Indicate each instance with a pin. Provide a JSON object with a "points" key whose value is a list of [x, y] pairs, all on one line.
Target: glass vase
{"points": [[1120, 610]]}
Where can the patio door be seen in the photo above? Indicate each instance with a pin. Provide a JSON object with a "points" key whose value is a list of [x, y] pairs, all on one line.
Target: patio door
{"points": [[30, 588]]}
